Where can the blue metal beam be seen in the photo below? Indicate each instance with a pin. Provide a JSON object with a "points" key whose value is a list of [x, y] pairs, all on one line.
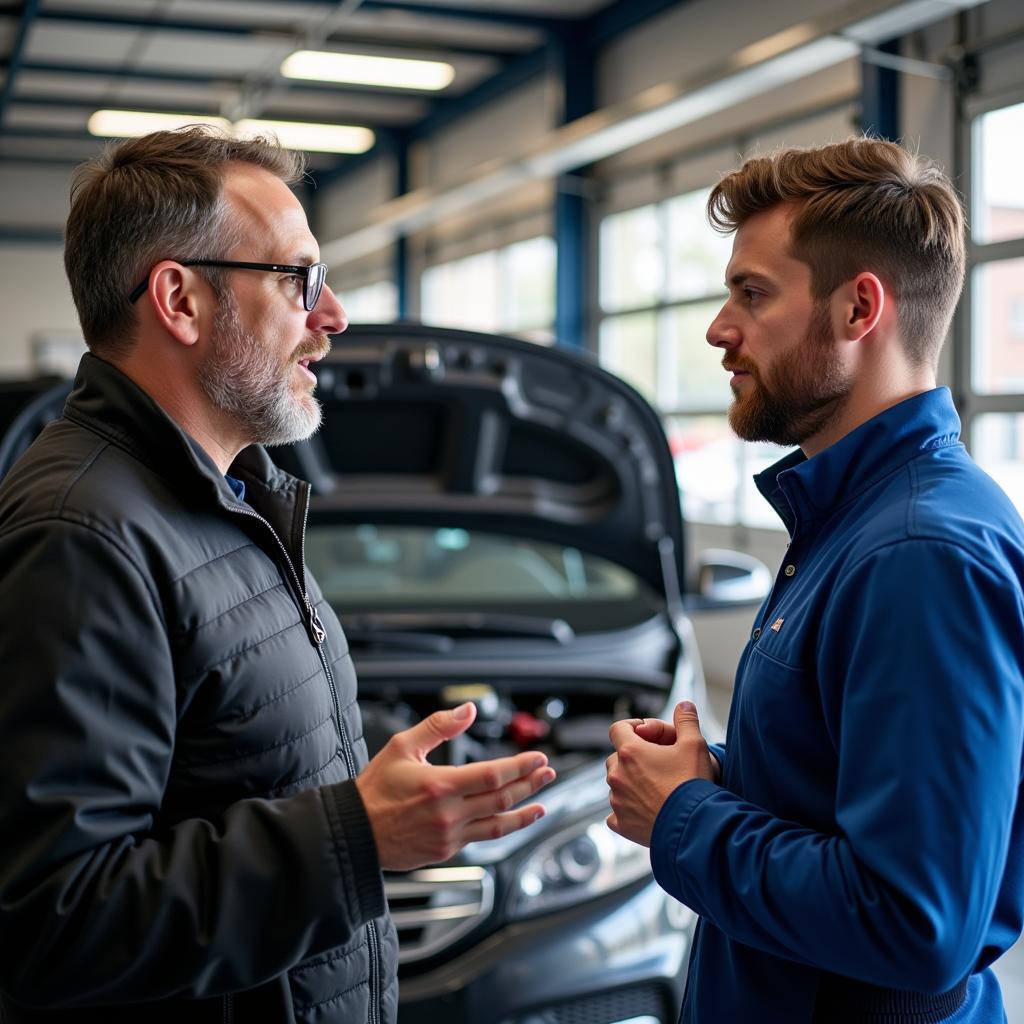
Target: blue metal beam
{"points": [[187, 26], [18, 159], [536, 21], [574, 60], [74, 103], [29, 13], [622, 15], [880, 97], [21, 236], [401, 256], [196, 78], [514, 74]]}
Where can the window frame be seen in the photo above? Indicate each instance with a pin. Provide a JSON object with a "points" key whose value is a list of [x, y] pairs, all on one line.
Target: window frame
{"points": [[540, 333], [970, 403]]}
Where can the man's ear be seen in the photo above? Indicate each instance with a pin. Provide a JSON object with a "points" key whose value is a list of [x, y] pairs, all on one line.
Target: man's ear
{"points": [[176, 297], [861, 302]]}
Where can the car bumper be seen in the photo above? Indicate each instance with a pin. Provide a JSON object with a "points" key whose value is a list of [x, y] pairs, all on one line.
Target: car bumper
{"points": [[615, 960]]}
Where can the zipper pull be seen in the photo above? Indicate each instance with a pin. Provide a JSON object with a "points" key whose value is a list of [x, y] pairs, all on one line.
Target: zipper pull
{"points": [[316, 626]]}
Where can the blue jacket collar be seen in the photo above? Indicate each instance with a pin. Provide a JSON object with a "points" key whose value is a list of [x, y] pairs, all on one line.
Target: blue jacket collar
{"points": [[801, 489]]}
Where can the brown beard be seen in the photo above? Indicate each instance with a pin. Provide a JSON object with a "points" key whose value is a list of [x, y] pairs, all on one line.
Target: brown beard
{"points": [[796, 397]]}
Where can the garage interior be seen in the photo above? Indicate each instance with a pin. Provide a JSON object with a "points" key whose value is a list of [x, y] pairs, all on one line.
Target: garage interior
{"points": [[549, 185]]}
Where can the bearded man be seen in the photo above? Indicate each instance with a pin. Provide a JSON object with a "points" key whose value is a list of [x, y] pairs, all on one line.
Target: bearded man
{"points": [[191, 831], [855, 850]]}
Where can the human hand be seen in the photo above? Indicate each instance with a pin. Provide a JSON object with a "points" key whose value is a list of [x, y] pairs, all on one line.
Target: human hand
{"points": [[651, 759], [423, 814], [654, 730]]}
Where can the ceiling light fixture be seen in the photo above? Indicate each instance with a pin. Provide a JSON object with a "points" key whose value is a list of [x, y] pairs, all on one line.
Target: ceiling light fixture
{"points": [[124, 124], [316, 138], [364, 69]]}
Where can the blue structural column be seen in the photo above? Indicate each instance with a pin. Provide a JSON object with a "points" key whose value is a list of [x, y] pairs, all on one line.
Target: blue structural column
{"points": [[880, 96], [400, 154], [573, 58]]}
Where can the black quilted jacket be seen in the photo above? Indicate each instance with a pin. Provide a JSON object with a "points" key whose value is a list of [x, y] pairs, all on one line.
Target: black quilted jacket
{"points": [[178, 735]]}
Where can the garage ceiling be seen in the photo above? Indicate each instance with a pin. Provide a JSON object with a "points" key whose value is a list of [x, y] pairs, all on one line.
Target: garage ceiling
{"points": [[64, 59]]}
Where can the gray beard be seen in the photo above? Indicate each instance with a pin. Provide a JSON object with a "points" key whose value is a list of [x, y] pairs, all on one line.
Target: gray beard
{"points": [[241, 378]]}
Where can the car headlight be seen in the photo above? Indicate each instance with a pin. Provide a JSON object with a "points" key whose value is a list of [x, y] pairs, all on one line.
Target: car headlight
{"points": [[577, 863]]}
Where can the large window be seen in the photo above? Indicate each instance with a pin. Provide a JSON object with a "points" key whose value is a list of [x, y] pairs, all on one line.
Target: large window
{"points": [[662, 272], [375, 303], [991, 365], [510, 290]]}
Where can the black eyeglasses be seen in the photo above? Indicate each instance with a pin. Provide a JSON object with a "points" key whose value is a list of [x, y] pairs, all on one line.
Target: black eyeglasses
{"points": [[313, 277]]}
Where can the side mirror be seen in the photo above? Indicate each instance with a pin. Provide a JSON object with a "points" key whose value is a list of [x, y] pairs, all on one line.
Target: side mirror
{"points": [[730, 579]]}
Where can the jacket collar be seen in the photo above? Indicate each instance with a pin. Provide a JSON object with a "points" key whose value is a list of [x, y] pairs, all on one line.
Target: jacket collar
{"points": [[111, 404], [802, 490]]}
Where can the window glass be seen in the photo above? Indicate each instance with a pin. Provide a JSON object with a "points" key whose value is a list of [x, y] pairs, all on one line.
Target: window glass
{"points": [[706, 456], [371, 304], [528, 284], [691, 374], [997, 444], [628, 348], [405, 566], [507, 291], [997, 342], [715, 471], [632, 262], [998, 211], [753, 509], [463, 293], [697, 254]]}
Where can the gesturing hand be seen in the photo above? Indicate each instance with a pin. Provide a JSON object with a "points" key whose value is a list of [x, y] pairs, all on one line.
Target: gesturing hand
{"points": [[422, 813], [651, 759]]}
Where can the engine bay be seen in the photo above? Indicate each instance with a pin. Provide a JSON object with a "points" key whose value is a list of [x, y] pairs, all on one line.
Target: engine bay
{"points": [[567, 722]]}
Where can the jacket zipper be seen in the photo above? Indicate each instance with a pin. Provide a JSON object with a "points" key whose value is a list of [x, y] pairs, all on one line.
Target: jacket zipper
{"points": [[317, 635], [314, 626], [229, 1009]]}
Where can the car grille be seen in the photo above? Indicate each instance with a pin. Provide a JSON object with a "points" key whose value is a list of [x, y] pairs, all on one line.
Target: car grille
{"points": [[645, 1004], [434, 907]]}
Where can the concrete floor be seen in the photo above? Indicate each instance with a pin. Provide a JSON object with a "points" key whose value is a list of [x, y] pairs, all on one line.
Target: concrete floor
{"points": [[1009, 969]]}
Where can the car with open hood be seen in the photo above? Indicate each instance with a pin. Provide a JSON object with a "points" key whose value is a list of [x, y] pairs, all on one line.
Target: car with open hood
{"points": [[499, 521]]}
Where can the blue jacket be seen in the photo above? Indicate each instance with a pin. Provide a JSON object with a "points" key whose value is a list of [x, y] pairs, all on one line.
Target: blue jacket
{"points": [[868, 824]]}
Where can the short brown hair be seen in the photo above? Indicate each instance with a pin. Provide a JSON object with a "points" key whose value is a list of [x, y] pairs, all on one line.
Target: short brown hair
{"points": [[156, 197], [863, 204]]}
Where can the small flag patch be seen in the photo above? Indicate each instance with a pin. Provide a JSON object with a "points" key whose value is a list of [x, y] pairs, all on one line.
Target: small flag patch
{"points": [[777, 624]]}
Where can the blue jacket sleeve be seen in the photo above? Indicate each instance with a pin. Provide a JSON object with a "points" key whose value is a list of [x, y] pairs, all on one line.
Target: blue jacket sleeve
{"points": [[923, 688]]}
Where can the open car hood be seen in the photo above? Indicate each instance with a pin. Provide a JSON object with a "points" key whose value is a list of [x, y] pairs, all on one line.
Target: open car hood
{"points": [[431, 426]]}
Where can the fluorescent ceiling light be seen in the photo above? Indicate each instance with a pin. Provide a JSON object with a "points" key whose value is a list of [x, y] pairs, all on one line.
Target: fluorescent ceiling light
{"points": [[363, 69], [319, 138], [122, 124]]}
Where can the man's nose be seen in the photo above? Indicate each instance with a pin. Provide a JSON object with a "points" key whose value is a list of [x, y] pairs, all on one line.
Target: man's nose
{"points": [[328, 316], [723, 333]]}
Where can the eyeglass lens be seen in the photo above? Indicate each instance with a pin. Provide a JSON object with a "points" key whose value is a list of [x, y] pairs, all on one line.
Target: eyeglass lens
{"points": [[315, 284]]}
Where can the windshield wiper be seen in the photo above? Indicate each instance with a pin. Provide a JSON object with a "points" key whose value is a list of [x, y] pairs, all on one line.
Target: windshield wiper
{"points": [[429, 643], [438, 628]]}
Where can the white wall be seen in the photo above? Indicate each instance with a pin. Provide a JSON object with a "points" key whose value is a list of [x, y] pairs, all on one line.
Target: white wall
{"points": [[33, 289], [36, 300]]}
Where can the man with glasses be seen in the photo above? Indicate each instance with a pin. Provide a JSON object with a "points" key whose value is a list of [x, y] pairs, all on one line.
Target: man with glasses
{"points": [[191, 830]]}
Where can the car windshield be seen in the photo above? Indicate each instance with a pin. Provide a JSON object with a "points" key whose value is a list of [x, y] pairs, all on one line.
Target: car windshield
{"points": [[416, 567]]}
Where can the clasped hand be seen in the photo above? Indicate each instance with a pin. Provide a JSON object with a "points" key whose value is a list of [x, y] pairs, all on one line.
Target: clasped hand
{"points": [[422, 813], [651, 759]]}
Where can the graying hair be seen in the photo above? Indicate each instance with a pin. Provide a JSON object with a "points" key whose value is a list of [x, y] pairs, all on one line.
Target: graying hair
{"points": [[148, 199]]}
